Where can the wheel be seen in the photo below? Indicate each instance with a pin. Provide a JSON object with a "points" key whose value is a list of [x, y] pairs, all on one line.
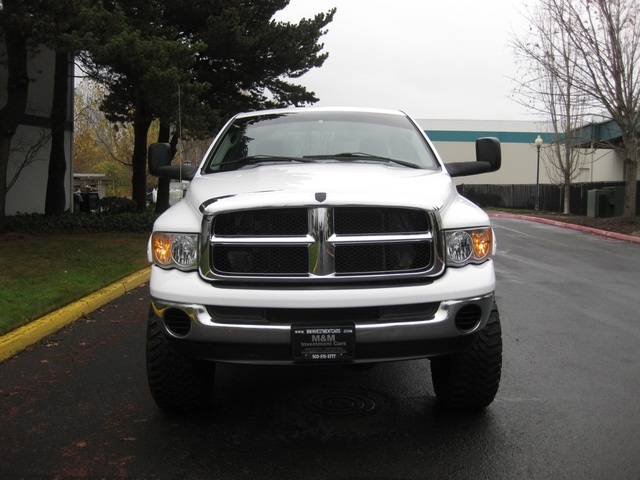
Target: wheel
{"points": [[469, 380], [177, 382]]}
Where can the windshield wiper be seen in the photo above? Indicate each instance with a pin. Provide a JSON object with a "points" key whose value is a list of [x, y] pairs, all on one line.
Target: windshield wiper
{"points": [[363, 156], [256, 159]]}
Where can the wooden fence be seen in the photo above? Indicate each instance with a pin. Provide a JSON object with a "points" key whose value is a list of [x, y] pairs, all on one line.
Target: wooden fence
{"points": [[524, 196]]}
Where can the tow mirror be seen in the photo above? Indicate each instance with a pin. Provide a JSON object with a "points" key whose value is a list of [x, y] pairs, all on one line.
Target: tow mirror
{"points": [[488, 159], [160, 164]]}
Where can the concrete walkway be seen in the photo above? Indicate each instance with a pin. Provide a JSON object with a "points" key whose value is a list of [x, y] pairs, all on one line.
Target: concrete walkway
{"points": [[582, 228]]}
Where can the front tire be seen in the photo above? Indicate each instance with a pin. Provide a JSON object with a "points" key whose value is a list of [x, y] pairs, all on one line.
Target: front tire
{"points": [[469, 380], [177, 382]]}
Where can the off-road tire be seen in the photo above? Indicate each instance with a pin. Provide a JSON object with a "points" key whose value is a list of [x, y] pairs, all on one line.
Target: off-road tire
{"points": [[469, 380], [177, 382]]}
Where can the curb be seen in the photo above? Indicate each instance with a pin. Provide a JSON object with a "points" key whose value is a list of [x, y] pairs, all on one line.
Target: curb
{"points": [[25, 336], [572, 226]]}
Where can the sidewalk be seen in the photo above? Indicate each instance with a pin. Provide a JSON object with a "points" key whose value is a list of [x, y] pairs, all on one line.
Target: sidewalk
{"points": [[21, 338], [573, 226]]}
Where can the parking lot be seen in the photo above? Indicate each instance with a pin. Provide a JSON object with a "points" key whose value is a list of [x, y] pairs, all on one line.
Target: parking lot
{"points": [[76, 405]]}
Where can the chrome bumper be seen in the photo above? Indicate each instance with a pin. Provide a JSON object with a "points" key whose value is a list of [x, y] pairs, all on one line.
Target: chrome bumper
{"points": [[434, 335]]}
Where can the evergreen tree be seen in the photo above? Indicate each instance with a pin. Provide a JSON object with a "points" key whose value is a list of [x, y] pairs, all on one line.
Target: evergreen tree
{"points": [[142, 65], [222, 56]]}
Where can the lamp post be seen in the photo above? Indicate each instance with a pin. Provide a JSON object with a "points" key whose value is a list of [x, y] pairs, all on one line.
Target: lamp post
{"points": [[538, 143]]}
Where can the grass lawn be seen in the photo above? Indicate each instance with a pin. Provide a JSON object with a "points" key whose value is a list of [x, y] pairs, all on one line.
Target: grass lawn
{"points": [[41, 273]]}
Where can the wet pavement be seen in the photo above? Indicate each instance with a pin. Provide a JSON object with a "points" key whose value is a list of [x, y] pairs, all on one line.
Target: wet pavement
{"points": [[76, 405]]}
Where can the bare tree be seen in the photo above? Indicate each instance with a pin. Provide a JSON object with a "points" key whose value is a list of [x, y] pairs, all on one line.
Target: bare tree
{"points": [[31, 153], [547, 62], [604, 36]]}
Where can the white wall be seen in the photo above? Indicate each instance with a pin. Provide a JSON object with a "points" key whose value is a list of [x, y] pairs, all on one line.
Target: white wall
{"points": [[28, 193], [455, 142], [518, 163], [602, 166]]}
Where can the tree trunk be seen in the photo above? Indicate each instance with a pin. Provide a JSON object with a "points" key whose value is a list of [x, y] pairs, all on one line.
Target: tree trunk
{"points": [[55, 201], [141, 124], [5, 151], [567, 198], [631, 184], [162, 200], [630, 154], [13, 111]]}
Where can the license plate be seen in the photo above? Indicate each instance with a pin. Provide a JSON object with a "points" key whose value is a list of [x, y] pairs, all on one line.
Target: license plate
{"points": [[323, 343]]}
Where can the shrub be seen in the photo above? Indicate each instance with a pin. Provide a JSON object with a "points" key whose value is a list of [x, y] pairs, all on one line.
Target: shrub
{"points": [[114, 205], [36, 223]]}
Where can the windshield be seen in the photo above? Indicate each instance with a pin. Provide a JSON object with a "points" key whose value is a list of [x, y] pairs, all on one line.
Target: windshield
{"points": [[321, 137]]}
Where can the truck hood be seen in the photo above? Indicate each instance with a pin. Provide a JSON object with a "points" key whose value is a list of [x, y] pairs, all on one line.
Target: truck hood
{"points": [[326, 184], [332, 184]]}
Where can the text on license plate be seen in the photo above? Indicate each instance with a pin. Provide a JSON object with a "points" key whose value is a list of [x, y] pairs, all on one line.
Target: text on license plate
{"points": [[323, 343]]}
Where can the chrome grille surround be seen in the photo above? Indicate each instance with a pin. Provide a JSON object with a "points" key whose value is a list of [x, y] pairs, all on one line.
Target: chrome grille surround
{"points": [[392, 243]]}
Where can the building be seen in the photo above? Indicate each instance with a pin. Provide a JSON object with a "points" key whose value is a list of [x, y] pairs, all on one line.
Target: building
{"points": [[455, 141], [31, 142]]}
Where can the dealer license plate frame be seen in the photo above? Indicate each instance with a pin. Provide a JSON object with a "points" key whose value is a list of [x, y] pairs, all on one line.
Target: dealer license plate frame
{"points": [[323, 343]]}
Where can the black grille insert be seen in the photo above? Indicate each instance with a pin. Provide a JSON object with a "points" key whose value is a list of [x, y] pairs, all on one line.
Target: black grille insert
{"points": [[260, 259], [378, 221], [262, 223], [382, 258], [287, 316]]}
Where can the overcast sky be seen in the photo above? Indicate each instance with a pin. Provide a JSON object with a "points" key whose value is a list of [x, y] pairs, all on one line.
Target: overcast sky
{"points": [[433, 59]]}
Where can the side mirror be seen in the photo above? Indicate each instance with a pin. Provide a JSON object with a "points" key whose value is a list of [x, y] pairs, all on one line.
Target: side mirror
{"points": [[160, 164], [488, 159]]}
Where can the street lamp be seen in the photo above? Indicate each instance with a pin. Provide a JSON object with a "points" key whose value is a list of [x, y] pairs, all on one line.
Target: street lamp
{"points": [[538, 143]]}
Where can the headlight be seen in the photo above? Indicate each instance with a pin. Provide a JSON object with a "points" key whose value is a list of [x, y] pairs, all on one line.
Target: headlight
{"points": [[469, 246], [178, 250]]}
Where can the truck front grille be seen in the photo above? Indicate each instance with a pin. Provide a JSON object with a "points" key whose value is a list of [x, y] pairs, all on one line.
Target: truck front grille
{"points": [[321, 243]]}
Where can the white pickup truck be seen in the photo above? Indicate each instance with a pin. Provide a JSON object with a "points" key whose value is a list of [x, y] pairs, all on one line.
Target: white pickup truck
{"points": [[319, 235]]}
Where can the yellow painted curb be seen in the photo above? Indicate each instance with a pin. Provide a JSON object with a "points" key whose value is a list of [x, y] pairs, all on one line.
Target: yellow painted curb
{"points": [[21, 338]]}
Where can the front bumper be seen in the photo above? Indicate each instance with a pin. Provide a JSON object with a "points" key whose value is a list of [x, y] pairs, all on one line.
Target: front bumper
{"points": [[270, 343]]}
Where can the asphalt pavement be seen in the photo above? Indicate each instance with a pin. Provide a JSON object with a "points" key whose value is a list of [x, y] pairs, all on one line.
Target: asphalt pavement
{"points": [[16, 341], [76, 404]]}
